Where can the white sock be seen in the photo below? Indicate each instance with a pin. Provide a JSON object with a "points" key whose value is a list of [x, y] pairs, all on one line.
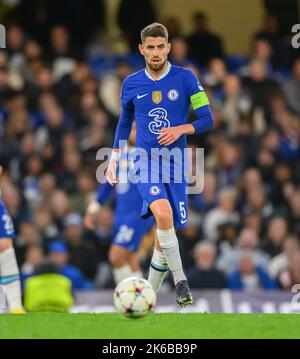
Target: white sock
{"points": [[169, 243], [122, 273], [158, 270], [138, 274], [10, 278]]}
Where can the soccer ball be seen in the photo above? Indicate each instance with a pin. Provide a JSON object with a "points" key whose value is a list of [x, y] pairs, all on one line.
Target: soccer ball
{"points": [[134, 297]]}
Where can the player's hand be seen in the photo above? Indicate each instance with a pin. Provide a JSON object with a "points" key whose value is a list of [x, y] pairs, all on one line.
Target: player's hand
{"points": [[111, 172], [89, 221], [169, 135]]}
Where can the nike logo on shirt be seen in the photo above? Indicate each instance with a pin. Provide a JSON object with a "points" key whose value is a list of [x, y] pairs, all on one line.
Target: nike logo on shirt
{"points": [[141, 96]]}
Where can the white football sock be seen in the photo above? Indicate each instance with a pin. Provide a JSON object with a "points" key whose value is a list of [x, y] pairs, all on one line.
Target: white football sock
{"points": [[122, 273], [10, 278], [158, 270], [169, 243]]}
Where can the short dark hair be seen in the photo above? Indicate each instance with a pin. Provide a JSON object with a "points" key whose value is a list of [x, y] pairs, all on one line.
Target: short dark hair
{"points": [[154, 30]]}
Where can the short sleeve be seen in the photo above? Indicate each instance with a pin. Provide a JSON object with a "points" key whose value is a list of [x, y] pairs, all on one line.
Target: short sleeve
{"points": [[195, 91]]}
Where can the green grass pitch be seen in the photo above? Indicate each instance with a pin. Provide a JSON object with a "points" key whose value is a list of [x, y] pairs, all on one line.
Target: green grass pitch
{"points": [[164, 326]]}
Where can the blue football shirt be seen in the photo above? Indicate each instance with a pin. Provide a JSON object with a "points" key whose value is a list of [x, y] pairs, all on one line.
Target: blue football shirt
{"points": [[161, 103]]}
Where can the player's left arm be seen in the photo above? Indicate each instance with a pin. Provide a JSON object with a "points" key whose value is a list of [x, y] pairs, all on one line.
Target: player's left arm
{"points": [[200, 104], [104, 193]]}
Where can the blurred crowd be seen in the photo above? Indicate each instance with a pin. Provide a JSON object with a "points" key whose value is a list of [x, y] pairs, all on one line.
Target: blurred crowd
{"points": [[58, 106]]}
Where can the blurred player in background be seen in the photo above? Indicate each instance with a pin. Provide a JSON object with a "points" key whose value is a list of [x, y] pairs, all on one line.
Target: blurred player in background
{"points": [[159, 97], [9, 271], [129, 228]]}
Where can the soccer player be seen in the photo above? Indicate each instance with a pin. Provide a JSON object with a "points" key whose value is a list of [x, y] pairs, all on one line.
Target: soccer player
{"points": [[9, 271], [128, 228], [159, 97]]}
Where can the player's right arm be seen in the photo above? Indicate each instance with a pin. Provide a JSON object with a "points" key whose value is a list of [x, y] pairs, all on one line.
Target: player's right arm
{"points": [[122, 133]]}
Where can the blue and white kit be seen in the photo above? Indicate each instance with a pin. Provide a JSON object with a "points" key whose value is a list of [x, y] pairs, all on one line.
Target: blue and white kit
{"points": [[6, 223], [158, 104], [129, 228]]}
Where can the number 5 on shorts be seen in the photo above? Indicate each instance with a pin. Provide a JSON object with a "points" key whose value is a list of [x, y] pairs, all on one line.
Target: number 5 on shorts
{"points": [[182, 209]]}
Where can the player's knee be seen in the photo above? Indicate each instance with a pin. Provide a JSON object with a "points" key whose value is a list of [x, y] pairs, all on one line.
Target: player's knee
{"points": [[116, 258], [5, 244], [164, 219]]}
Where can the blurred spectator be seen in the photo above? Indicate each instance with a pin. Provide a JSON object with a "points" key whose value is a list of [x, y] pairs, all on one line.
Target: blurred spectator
{"points": [[251, 179], [60, 206], [45, 225], [229, 159], [260, 86], [247, 241], [33, 258], [4, 85], [47, 186], [173, 26], [33, 169], [179, 52], [203, 45], [282, 176], [291, 276], [270, 32], [205, 275], [292, 89], [227, 237], [110, 88], [28, 236], [103, 230], [279, 263], [294, 209], [58, 254], [216, 75], [61, 56], [254, 221], [82, 251], [248, 277], [72, 165], [68, 88], [262, 50], [15, 39], [276, 233], [85, 185], [206, 200], [236, 101], [131, 24], [223, 213], [257, 201]]}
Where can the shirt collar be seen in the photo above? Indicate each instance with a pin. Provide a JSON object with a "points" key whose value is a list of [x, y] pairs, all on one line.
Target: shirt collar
{"points": [[162, 75]]}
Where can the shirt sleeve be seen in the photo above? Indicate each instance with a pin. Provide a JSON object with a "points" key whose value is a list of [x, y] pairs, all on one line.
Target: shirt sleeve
{"points": [[104, 193], [126, 117], [196, 93], [200, 104]]}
